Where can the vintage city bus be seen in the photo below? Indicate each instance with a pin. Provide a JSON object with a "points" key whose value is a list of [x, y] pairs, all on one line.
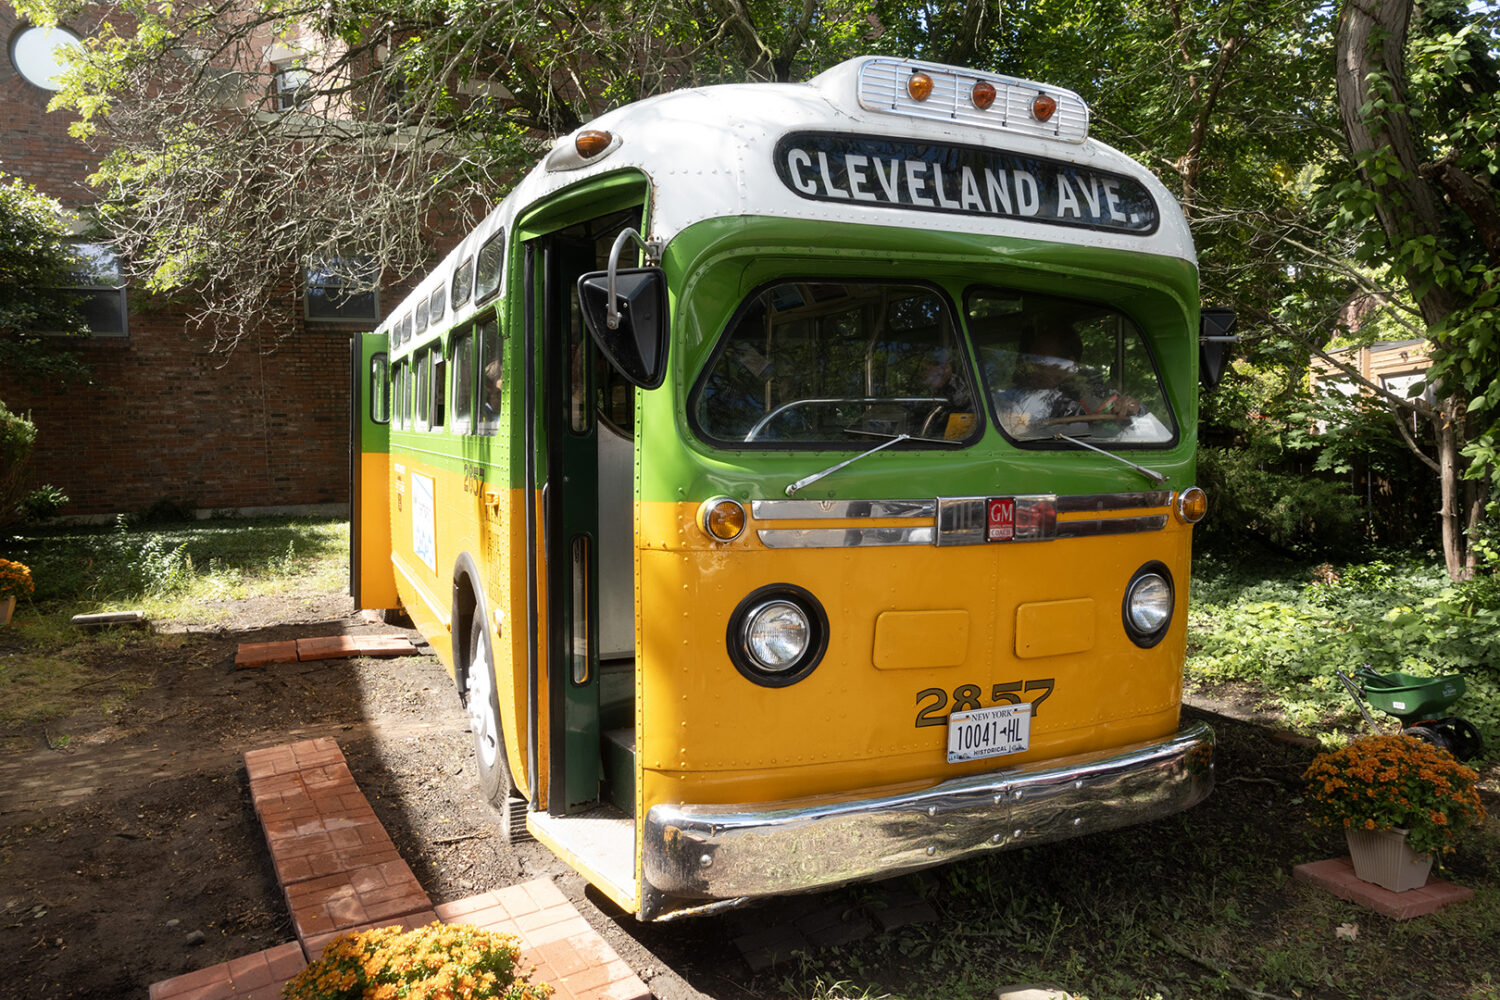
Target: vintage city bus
{"points": [[798, 482]]}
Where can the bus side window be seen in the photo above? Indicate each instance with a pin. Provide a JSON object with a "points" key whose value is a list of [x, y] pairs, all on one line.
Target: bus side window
{"points": [[462, 364], [403, 395], [439, 385], [491, 375], [380, 389], [421, 417]]}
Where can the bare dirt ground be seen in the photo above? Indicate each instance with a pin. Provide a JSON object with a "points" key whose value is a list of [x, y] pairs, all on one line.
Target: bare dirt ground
{"points": [[129, 852], [129, 849]]}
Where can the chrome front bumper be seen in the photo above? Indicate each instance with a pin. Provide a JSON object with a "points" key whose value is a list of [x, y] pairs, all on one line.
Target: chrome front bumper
{"points": [[708, 852]]}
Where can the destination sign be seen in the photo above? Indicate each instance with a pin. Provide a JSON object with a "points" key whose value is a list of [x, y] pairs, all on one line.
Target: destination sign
{"points": [[962, 180]]}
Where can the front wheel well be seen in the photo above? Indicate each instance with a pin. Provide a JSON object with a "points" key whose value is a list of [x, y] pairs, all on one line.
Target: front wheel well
{"points": [[465, 606]]}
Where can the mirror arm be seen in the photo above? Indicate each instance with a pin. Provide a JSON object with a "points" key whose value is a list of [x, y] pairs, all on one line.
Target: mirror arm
{"points": [[653, 250]]}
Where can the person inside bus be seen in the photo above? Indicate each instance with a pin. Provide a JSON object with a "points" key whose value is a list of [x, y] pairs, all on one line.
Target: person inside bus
{"points": [[1052, 391], [493, 394], [953, 416]]}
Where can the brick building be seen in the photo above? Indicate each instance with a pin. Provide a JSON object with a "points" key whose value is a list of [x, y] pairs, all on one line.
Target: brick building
{"points": [[166, 420]]}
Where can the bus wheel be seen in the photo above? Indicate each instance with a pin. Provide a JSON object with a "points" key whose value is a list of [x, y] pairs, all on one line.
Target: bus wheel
{"points": [[484, 719]]}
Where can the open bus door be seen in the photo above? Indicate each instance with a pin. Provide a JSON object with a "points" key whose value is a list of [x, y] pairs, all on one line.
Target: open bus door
{"points": [[372, 581]]}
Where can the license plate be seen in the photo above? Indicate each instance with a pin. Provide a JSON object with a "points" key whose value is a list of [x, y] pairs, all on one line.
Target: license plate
{"points": [[988, 732]]}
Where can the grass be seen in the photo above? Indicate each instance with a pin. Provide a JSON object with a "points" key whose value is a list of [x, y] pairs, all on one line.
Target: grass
{"points": [[1282, 630], [50, 670]]}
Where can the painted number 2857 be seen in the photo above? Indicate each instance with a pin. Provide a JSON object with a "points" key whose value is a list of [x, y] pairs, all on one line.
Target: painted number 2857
{"points": [[933, 707]]}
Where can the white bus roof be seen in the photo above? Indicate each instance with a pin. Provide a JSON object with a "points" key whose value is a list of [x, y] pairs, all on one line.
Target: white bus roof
{"points": [[850, 147]]}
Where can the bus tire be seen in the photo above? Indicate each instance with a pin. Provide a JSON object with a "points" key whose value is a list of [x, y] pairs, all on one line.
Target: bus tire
{"points": [[483, 708]]}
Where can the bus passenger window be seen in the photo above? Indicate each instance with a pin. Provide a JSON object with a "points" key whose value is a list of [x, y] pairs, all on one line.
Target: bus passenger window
{"points": [[436, 304], [842, 365], [421, 417], [463, 282], [439, 385], [1052, 365], [380, 389], [487, 267], [491, 377], [462, 366], [399, 395]]}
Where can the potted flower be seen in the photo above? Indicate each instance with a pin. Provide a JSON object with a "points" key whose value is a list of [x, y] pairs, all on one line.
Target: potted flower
{"points": [[452, 961], [15, 580], [1401, 802]]}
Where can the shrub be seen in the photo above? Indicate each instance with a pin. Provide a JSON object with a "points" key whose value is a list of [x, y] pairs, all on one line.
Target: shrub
{"points": [[455, 961]]}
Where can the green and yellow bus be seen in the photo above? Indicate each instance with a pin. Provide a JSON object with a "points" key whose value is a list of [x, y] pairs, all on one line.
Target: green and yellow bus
{"points": [[798, 482]]}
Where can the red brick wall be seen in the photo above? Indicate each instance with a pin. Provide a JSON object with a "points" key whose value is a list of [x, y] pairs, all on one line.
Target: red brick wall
{"points": [[166, 419]]}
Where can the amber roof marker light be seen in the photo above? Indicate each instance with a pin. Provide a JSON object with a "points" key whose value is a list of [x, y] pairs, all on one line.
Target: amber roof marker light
{"points": [[591, 142], [982, 94], [919, 86], [1043, 106]]}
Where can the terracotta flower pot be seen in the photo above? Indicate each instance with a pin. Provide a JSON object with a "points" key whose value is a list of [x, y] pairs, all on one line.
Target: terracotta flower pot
{"points": [[7, 608], [1382, 857]]}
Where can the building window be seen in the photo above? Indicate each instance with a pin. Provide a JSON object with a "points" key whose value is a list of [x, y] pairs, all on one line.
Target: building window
{"points": [[101, 293], [36, 53], [340, 290], [290, 85]]}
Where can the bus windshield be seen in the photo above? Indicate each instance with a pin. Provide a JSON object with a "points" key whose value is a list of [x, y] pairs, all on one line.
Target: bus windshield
{"points": [[839, 364], [1054, 366]]}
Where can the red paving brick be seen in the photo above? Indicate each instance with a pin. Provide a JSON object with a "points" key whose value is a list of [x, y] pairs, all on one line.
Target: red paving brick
{"points": [[260, 654], [254, 977], [340, 872], [1336, 875]]}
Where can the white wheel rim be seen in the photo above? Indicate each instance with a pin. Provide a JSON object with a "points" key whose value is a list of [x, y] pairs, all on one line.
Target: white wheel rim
{"points": [[482, 720]]}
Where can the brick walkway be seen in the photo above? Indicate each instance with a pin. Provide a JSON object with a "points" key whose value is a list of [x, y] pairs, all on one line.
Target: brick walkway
{"points": [[341, 872]]}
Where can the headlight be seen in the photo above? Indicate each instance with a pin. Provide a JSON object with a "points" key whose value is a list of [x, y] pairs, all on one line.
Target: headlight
{"points": [[777, 635], [1147, 609]]}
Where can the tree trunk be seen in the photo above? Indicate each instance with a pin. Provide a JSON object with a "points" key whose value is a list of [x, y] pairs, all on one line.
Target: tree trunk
{"points": [[1454, 511], [1371, 46]]}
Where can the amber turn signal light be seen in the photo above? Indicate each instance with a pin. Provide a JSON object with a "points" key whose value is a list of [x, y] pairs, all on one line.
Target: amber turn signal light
{"points": [[1192, 504], [722, 518]]}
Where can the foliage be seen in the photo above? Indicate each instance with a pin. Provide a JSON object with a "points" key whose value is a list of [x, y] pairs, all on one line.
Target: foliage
{"points": [[17, 504], [1283, 629], [453, 962], [189, 563], [1419, 94], [37, 263], [407, 120], [1396, 782], [15, 579], [1293, 512]]}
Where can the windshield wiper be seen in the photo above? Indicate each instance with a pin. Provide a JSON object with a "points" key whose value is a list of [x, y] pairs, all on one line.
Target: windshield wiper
{"points": [[1151, 474], [802, 484]]}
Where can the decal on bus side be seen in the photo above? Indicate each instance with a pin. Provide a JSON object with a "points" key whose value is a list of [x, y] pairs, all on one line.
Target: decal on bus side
{"points": [[966, 698]]}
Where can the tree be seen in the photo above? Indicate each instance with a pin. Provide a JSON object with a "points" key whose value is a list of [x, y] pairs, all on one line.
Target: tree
{"points": [[377, 126], [37, 264], [1419, 98]]}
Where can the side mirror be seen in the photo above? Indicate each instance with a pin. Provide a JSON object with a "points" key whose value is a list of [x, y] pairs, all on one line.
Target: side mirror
{"points": [[632, 335], [1214, 344]]}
